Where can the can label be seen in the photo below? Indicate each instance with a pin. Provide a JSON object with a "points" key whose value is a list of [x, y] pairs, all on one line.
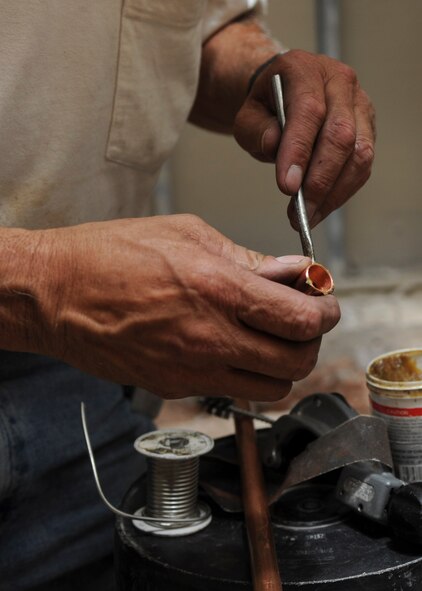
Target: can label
{"points": [[403, 416]]}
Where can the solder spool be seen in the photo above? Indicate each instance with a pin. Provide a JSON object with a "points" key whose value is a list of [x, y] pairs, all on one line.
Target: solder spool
{"points": [[172, 507], [172, 482]]}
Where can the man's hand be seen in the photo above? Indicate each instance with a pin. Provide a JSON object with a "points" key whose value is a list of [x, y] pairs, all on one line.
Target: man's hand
{"points": [[170, 304], [328, 141]]}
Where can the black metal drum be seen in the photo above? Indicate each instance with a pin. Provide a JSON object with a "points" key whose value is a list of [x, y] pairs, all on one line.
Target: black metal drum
{"points": [[321, 547]]}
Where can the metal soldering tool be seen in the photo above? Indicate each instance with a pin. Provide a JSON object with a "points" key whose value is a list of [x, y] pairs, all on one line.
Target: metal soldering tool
{"points": [[317, 279]]}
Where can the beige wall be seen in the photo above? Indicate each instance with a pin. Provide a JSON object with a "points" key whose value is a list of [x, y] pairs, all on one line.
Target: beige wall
{"points": [[212, 177], [382, 40]]}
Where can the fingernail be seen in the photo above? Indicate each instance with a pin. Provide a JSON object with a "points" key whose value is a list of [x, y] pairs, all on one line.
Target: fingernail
{"points": [[294, 178], [290, 259]]}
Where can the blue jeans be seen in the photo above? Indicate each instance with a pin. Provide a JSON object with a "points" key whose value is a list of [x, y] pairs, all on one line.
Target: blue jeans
{"points": [[52, 521]]}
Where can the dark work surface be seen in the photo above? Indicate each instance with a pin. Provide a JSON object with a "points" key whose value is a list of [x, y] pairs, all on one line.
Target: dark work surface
{"points": [[320, 548]]}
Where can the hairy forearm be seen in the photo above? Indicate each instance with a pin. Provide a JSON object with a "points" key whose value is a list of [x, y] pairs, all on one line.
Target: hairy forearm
{"points": [[115, 299], [229, 59], [20, 290], [36, 279]]}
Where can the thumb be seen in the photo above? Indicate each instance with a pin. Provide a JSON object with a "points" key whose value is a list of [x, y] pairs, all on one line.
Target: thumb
{"points": [[284, 269]]}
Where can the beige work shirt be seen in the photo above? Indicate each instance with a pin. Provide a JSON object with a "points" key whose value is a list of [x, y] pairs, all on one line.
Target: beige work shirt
{"points": [[93, 97]]}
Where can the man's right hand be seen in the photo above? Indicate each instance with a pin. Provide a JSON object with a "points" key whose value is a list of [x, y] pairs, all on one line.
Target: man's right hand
{"points": [[167, 303]]}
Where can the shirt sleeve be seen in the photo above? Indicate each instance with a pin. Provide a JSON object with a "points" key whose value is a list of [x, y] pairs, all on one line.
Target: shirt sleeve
{"points": [[220, 12]]}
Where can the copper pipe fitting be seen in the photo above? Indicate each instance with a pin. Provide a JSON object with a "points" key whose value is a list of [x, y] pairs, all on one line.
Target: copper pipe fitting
{"points": [[264, 565], [316, 280]]}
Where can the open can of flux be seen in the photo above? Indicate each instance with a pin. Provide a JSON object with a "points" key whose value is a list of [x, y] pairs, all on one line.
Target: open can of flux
{"points": [[395, 390]]}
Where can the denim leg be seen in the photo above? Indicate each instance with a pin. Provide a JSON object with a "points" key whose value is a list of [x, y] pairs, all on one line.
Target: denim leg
{"points": [[51, 518]]}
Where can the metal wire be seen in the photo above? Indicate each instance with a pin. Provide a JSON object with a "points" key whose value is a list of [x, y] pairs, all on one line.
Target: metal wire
{"points": [[304, 229], [183, 486], [172, 488]]}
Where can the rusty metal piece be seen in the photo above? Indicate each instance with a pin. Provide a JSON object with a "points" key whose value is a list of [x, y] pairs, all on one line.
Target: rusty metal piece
{"points": [[316, 280], [265, 573], [361, 439]]}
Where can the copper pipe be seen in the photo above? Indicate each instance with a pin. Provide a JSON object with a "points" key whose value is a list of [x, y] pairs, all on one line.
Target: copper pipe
{"points": [[265, 573], [315, 280]]}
